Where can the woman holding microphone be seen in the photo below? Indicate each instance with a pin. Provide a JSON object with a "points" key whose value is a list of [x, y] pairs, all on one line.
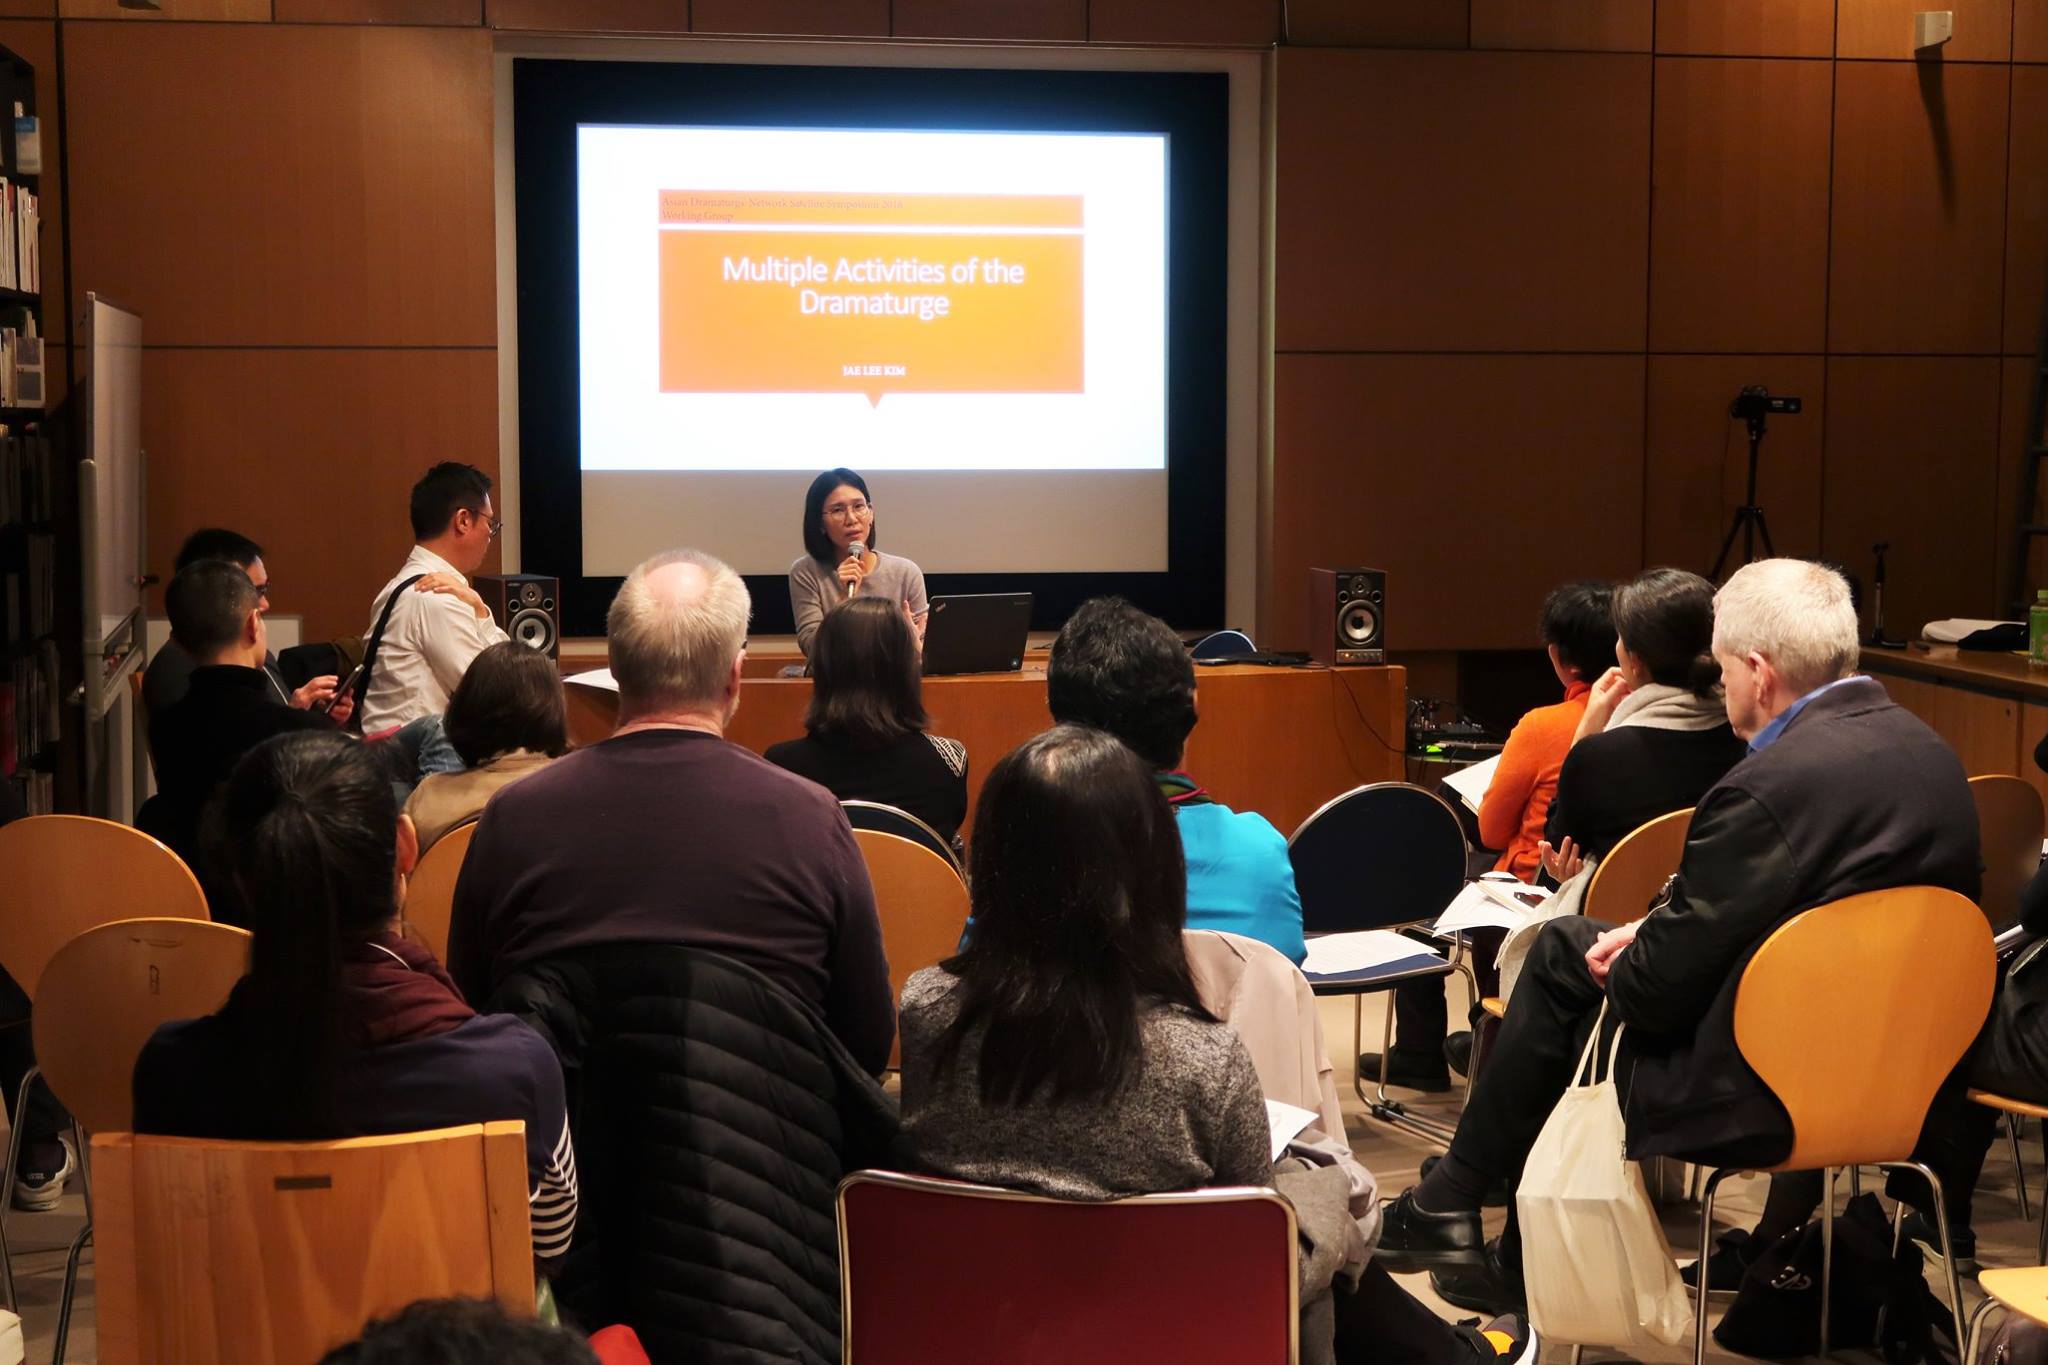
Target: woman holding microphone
{"points": [[840, 560]]}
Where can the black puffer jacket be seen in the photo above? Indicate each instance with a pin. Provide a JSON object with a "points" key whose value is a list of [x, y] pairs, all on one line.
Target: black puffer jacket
{"points": [[714, 1116]]}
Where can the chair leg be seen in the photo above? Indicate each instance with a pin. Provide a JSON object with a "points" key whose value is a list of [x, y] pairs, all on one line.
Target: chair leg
{"points": [[1381, 1105], [70, 1292], [1699, 1331], [1827, 1253], [2019, 1166], [1855, 1181], [1969, 1348], [1948, 1250], [84, 1166], [7, 1183], [1578, 1355], [1472, 1008]]}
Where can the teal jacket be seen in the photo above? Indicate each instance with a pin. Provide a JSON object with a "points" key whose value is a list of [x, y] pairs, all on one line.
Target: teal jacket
{"points": [[1239, 878]]}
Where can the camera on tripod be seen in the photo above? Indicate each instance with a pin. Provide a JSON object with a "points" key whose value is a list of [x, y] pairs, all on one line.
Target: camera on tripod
{"points": [[1756, 401]]}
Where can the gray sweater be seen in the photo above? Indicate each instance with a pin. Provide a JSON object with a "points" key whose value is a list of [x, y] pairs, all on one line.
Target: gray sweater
{"points": [[815, 589], [1193, 1115]]}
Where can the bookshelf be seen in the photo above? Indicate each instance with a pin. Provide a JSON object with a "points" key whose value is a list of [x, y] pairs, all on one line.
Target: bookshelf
{"points": [[39, 594]]}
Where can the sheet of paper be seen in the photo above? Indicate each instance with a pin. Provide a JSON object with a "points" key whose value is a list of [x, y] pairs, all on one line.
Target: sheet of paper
{"points": [[1335, 954], [1956, 627], [1471, 783], [1286, 1121], [600, 678]]}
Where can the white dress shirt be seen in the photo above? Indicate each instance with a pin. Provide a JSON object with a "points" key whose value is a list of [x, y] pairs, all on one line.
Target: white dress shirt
{"points": [[427, 647]]}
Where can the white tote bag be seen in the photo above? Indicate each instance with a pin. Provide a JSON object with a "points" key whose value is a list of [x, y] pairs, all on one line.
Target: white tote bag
{"points": [[1594, 1258]]}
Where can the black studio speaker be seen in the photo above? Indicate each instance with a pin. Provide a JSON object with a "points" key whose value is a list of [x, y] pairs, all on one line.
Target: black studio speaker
{"points": [[527, 607], [1347, 616]]}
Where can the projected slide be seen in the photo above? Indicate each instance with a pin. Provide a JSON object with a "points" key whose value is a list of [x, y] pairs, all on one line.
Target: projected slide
{"points": [[774, 299]]}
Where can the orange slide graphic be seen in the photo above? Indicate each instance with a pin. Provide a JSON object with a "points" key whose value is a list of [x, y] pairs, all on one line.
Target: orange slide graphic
{"points": [[831, 292]]}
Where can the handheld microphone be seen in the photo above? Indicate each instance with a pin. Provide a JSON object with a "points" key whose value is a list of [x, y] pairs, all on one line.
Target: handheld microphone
{"points": [[855, 550]]}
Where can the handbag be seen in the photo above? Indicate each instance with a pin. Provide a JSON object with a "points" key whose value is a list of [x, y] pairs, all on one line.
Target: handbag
{"points": [[1595, 1262]]}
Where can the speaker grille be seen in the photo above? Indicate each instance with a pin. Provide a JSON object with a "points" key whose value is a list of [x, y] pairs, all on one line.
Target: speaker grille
{"points": [[532, 627]]}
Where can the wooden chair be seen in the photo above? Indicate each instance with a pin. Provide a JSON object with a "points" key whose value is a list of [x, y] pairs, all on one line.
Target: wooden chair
{"points": [[1853, 1013], [65, 874], [888, 819], [272, 1253], [2022, 1290], [430, 891], [1053, 1279], [100, 999], [2009, 815], [922, 903]]}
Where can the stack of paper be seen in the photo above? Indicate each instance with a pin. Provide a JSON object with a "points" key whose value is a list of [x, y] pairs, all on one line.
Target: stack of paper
{"points": [[1342, 954], [1470, 784], [1286, 1122], [1491, 905]]}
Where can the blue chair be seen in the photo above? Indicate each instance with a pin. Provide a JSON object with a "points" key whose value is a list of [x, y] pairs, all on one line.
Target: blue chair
{"points": [[1223, 644], [886, 819], [1388, 855]]}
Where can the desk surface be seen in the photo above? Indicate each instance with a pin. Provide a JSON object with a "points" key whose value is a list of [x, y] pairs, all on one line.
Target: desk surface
{"points": [[1981, 670], [1279, 741]]}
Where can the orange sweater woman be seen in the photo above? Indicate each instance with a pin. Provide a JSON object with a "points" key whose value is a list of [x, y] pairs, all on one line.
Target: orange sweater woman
{"points": [[1518, 799]]}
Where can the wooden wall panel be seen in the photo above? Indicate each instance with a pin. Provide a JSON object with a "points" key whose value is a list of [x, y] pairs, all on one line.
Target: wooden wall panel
{"points": [[1983, 730], [1914, 695], [1375, 455], [287, 458], [2026, 211], [1919, 207], [454, 12], [1378, 23], [590, 16], [1747, 28], [319, 186], [2030, 31], [1697, 468], [2015, 396], [827, 18], [1203, 23], [35, 42], [1035, 20], [1462, 201], [2033, 729], [235, 11], [28, 9], [1884, 28], [1739, 223], [1567, 25], [1912, 459]]}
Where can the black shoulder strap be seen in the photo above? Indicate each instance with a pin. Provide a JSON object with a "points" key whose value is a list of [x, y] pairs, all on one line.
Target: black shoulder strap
{"points": [[370, 651]]}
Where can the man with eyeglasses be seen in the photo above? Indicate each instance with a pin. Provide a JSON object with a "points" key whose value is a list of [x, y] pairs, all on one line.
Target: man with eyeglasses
{"points": [[427, 623]]}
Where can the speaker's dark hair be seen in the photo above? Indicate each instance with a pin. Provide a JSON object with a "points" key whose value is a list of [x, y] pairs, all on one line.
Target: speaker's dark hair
{"points": [[815, 540]]}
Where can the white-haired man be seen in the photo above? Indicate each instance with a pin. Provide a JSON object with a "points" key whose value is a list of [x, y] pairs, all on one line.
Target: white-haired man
{"points": [[668, 833], [1842, 792]]}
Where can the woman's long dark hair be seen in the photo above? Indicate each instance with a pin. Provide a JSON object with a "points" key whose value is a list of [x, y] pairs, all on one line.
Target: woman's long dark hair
{"points": [[1665, 617], [1080, 897], [308, 831], [867, 682], [815, 540], [509, 698]]}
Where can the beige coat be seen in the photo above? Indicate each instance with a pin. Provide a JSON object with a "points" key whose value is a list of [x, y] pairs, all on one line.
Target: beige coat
{"points": [[445, 800], [1252, 987]]}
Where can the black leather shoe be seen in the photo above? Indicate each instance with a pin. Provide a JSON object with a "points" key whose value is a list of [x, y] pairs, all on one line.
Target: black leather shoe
{"points": [[1488, 1287], [1413, 1238], [1458, 1052], [1407, 1071]]}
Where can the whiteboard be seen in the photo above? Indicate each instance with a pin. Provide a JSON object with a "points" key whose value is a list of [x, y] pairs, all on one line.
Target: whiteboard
{"points": [[113, 519]]}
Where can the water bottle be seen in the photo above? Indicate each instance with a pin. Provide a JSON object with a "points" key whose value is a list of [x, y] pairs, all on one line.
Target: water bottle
{"points": [[2037, 630]]}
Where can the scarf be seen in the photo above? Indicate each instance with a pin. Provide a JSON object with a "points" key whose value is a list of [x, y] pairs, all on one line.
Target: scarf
{"points": [[1658, 707], [393, 991], [1180, 790]]}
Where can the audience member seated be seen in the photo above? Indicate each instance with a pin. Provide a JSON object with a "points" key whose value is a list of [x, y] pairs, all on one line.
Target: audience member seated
{"points": [[1655, 733], [342, 1028], [229, 707], [467, 1332], [865, 731], [1577, 627], [1814, 814], [1065, 1051], [165, 680], [1117, 669], [507, 719], [427, 623], [668, 833]]}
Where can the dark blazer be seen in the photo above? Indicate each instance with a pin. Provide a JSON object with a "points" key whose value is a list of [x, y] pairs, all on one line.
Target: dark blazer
{"points": [[714, 1116], [919, 773], [1619, 779], [1855, 795]]}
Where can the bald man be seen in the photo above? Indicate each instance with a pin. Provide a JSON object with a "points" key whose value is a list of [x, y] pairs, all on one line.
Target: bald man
{"points": [[668, 833]]}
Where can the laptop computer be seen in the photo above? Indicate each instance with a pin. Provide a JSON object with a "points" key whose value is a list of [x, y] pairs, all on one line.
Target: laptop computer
{"points": [[982, 632]]}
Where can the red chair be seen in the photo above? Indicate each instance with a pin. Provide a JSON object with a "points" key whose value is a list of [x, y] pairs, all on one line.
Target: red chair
{"points": [[936, 1270]]}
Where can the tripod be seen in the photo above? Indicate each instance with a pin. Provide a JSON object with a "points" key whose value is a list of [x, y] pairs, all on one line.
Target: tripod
{"points": [[1749, 518]]}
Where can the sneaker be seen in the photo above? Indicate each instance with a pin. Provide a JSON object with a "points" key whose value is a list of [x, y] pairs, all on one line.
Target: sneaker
{"points": [[1407, 1071], [1921, 1231], [1507, 1340], [38, 1187], [1458, 1052], [1725, 1264]]}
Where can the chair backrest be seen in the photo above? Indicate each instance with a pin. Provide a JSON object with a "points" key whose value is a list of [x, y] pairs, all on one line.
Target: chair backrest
{"points": [[211, 1252], [922, 903], [1382, 854], [1223, 644], [932, 1270], [894, 820], [1635, 870], [1853, 1012], [2009, 823], [106, 991], [66, 873], [430, 891]]}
